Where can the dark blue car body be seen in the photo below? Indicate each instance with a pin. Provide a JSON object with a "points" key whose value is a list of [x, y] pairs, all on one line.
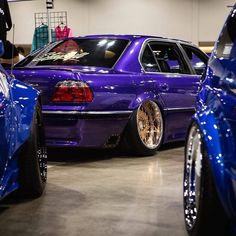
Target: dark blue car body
{"points": [[216, 121], [17, 106]]}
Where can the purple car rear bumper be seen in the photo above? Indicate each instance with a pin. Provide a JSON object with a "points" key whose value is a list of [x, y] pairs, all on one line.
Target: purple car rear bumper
{"points": [[92, 129]]}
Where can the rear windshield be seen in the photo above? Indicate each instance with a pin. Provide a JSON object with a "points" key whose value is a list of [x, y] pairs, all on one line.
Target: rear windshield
{"points": [[82, 52]]}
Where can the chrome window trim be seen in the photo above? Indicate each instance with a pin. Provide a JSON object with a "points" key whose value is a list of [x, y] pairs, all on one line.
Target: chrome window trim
{"points": [[192, 47], [180, 109], [121, 55], [86, 112], [163, 40]]}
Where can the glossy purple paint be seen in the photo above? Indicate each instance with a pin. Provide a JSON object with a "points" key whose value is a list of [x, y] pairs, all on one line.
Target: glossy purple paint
{"points": [[118, 90]]}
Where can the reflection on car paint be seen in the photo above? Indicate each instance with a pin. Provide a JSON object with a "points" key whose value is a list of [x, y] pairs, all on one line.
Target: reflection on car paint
{"points": [[121, 73]]}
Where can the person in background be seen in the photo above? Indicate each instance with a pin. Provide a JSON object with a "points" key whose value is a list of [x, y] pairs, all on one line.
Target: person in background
{"points": [[5, 19], [21, 52], [10, 55]]}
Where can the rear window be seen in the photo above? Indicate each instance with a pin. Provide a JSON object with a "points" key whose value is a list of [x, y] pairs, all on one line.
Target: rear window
{"points": [[83, 52]]}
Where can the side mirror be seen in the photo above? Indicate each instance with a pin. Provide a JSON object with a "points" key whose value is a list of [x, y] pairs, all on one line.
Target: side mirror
{"points": [[1, 48]]}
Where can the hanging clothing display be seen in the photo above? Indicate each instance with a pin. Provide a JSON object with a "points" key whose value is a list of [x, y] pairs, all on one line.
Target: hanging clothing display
{"points": [[63, 32], [40, 38], [5, 19]]}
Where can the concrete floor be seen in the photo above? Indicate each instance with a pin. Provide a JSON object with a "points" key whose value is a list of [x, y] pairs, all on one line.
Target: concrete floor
{"points": [[103, 193]]}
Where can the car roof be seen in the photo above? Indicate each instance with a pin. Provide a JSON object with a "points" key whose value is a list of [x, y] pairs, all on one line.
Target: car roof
{"points": [[133, 37]]}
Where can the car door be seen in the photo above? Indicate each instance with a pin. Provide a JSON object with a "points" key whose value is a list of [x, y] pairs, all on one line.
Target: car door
{"points": [[6, 129], [177, 84]]}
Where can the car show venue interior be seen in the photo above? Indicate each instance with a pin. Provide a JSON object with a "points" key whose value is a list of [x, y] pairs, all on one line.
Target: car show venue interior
{"points": [[98, 101], [103, 193]]}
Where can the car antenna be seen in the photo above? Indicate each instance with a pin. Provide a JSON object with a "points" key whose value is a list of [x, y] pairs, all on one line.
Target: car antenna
{"points": [[12, 49]]}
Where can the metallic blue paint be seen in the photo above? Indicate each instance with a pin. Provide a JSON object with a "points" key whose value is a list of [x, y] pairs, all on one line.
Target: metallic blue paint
{"points": [[17, 103], [216, 118]]}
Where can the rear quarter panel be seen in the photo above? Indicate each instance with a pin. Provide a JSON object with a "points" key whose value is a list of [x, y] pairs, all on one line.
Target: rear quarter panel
{"points": [[22, 105], [24, 99], [216, 116]]}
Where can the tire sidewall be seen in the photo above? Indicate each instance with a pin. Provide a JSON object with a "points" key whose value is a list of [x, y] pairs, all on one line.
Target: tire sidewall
{"points": [[211, 218], [133, 138], [31, 182]]}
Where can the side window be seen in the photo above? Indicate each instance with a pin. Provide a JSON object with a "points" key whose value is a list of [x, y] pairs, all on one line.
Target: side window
{"points": [[169, 58], [225, 47], [148, 61], [197, 59]]}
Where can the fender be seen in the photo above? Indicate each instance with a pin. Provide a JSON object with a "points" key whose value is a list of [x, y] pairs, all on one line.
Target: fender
{"points": [[220, 149], [25, 99], [145, 97]]}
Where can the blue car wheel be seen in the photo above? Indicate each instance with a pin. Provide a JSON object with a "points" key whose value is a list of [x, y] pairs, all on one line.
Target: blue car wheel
{"points": [[33, 160], [204, 214], [144, 133]]}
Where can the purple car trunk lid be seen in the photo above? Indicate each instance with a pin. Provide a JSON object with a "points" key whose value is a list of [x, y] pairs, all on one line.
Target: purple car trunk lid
{"points": [[106, 84], [45, 79]]}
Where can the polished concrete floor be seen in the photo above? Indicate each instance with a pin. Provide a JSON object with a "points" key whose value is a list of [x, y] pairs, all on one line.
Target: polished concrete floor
{"points": [[97, 193]]}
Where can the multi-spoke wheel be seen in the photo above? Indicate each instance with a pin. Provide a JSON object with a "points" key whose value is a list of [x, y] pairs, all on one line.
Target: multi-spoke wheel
{"points": [[33, 160], [150, 124], [202, 209], [144, 132]]}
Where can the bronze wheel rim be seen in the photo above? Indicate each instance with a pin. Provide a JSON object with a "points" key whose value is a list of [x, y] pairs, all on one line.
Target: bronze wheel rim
{"points": [[150, 124]]}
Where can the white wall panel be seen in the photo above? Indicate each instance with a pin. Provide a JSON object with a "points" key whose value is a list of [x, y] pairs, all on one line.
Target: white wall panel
{"points": [[23, 17], [155, 17], [193, 20], [212, 15]]}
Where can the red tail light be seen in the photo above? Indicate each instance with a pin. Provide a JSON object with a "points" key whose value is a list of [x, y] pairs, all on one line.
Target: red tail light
{"points": [[72, 91]]}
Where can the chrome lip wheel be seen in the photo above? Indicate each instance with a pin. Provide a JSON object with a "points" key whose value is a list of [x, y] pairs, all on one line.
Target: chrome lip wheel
{"points": [[192, 177], [150, 124], [41, 151], [42, 160]]}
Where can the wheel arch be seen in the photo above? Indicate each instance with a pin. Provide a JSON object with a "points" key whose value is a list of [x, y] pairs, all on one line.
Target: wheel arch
{"points": [[147, 96], [150, 96], [131, 126], [24, 99], [217, 149]]}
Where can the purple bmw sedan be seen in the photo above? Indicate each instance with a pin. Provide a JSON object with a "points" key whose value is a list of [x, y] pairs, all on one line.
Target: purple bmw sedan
{"points": [[105, 90]]}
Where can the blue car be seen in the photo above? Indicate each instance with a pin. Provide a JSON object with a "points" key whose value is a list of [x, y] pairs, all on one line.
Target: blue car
{"points": [[210, 156], [23, 157]]}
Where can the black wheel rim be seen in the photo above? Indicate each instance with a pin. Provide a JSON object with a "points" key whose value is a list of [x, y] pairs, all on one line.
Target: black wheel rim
{"points": [[192, 177], [41, 149]]}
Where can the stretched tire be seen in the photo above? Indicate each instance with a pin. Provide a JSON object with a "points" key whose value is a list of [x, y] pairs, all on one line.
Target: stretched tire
{"points": [[144, 132], [203, 211], [33, 160]]}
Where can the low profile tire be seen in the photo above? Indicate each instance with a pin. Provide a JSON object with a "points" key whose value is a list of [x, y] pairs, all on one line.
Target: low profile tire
{"points": [[144, 132], [203, 212], [33, 160]]}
